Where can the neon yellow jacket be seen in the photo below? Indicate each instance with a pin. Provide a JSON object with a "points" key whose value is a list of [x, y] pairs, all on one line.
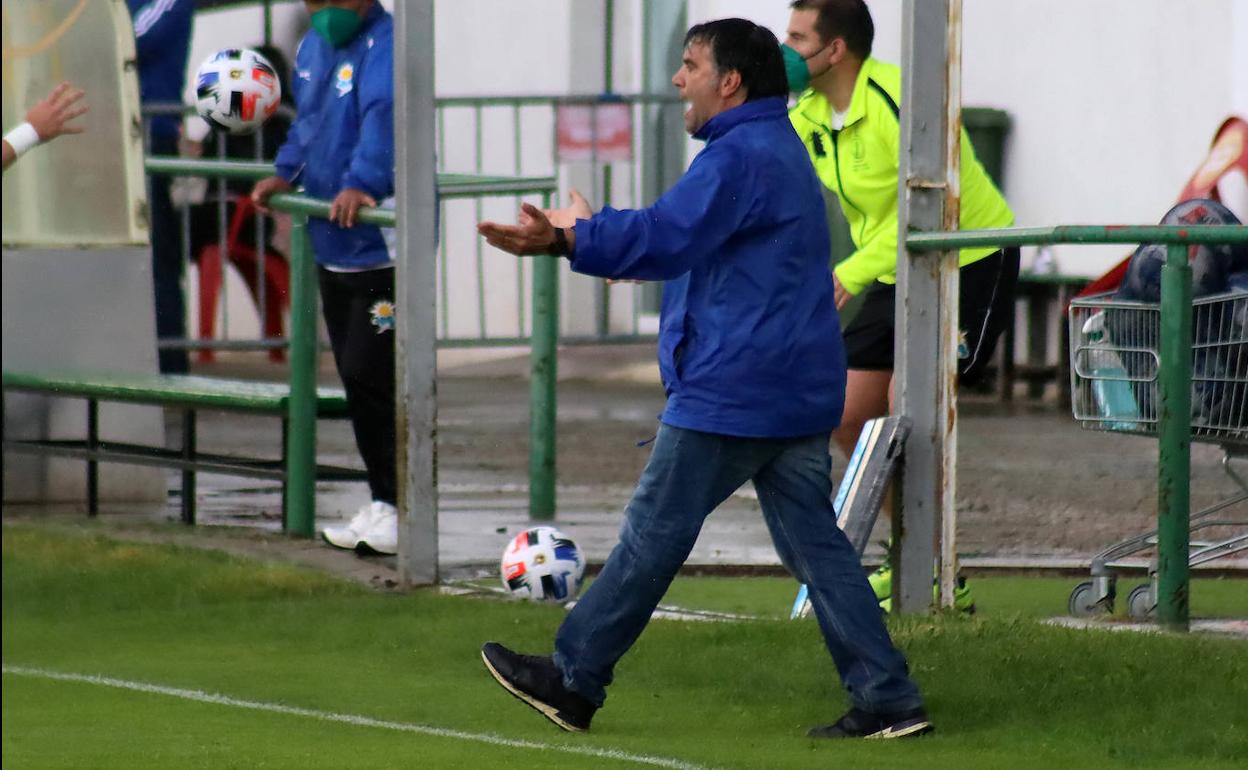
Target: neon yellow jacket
{"points": [[859, 163]]}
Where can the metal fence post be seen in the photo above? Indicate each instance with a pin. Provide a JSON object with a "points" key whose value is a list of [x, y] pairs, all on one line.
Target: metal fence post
{"points": [[608, 87], [416, 362], [543, 371], [927, 301], [1174, 382], [301, 408]]}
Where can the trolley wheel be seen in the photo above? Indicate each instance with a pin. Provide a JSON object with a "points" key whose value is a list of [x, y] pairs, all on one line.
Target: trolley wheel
{"points": [[1140, 604], [1083, 601]]}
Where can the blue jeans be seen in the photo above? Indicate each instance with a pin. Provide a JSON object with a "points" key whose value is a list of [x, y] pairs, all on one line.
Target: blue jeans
{"points": [[688, 475]]}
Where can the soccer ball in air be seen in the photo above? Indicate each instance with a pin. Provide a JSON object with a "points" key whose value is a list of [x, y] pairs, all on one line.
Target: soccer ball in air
{"points": [[236, 89], [543, 564]]}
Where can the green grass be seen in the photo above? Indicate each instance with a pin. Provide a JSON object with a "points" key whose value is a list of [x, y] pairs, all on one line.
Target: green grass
{"points": [[1004, 690], [1020, 597]]}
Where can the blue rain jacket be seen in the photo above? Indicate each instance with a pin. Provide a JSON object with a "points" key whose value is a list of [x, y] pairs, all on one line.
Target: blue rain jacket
{"points": [[343, 135], [749, 339]]}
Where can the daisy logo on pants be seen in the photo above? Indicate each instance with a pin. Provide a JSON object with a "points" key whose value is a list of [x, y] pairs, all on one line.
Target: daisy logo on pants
{"points": [[382, 313]]}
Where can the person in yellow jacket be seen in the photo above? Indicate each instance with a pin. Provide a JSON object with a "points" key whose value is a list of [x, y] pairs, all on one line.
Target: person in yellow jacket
{"points": [[847, 115]]}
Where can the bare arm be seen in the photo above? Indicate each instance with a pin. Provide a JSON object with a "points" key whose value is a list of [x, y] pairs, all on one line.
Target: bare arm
{"points": [[48, 119], [51, 117]]}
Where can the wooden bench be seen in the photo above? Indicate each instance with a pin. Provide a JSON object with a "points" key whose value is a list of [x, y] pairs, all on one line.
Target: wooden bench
{"points": [[191, 395], [1044, 294]]}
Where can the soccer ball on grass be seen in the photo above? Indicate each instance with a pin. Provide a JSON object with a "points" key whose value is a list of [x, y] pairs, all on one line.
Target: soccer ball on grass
{"points": [[543, 564]]}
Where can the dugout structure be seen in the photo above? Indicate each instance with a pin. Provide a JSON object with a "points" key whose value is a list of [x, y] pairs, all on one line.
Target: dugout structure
{"points": [[105, 337], [76, 265]]}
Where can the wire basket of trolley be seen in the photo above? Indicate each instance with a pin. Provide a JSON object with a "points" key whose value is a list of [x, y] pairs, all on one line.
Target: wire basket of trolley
{"points": [[1114, 342]]}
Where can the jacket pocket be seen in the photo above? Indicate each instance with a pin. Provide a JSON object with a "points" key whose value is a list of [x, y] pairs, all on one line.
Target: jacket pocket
{"points": [[681, 353]]}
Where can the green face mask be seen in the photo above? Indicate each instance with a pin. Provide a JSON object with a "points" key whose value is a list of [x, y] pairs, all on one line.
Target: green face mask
{"points": [[795, 68], [337, 25]]}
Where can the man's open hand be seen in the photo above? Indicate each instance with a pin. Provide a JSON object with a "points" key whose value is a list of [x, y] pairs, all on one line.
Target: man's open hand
{"points": [[51, 117], [577, 208], [532, 236]]}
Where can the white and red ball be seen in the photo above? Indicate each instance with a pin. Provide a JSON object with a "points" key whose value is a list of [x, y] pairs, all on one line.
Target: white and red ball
{"points": [[543, 564], [236, 90]]}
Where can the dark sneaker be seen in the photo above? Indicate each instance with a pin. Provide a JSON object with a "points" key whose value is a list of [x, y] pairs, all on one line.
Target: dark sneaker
{"points": [[537, 681], [859, 724]]}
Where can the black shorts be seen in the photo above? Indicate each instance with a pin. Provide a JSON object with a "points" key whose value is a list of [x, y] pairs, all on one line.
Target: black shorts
{"points": [[985, 302]]}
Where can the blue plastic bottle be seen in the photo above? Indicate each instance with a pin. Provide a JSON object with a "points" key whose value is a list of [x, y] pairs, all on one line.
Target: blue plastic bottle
{"points": [[1111, 384]]}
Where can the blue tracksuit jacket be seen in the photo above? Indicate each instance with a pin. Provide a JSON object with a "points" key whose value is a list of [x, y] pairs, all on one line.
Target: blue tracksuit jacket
{"points": [[343, 135], [749, 340], [162, 41]]}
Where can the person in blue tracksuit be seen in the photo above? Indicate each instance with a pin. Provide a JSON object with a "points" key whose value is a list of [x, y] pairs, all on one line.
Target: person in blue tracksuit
{"points": [[341, 148], [754, 368], [162, 42]]}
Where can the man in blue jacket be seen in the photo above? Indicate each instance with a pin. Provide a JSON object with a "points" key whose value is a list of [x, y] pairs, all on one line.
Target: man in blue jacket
{"points": [[341, 148], [162, 42], [751, 357]]}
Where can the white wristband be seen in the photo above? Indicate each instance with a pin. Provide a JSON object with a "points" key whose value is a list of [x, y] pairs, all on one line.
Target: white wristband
{"points": [[22, 139]]}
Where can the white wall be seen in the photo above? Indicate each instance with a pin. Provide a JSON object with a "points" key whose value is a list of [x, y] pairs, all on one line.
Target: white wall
{"points": [[1114, 101], [494, 48], [1239, 57], [1115, 104], [475, 40]]}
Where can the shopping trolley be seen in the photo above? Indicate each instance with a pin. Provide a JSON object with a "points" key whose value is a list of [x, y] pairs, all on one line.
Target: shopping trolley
{"points": [[1114, 366]]}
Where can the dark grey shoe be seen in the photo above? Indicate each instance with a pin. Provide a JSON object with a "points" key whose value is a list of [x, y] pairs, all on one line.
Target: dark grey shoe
{"points": [[860, 724], [537, 681]]}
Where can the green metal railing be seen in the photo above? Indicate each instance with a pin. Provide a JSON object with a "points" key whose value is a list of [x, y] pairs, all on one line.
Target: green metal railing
{"points": [[463, 140], [1174, 376], [470, 135], [303, 348]]}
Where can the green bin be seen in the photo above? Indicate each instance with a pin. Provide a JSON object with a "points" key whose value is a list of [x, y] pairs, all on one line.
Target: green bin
{"points": [[988, 129]]}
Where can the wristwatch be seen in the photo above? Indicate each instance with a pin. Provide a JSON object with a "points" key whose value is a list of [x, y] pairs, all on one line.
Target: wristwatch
{"points": [[560, 247]]}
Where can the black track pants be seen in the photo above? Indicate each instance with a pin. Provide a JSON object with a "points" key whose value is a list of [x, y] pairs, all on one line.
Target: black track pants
{"points": [[359, 314]]}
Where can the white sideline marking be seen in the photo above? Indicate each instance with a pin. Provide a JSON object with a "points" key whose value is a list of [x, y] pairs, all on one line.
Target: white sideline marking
{"points": [[661, 612], [350, 719]]}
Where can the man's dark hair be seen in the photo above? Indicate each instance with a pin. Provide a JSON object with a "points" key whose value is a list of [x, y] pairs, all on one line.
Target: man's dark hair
{"points": [[750, 49], [849, 20]]}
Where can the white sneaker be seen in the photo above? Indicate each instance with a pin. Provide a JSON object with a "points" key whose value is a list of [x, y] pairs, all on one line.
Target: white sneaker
{"points": [[382, 534], [348, 535]]}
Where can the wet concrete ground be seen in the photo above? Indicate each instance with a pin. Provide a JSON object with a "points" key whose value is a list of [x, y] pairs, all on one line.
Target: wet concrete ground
{"points": [[1034, 488]]}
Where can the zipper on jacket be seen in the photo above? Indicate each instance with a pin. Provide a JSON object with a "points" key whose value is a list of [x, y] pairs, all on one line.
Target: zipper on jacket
{"points": [[836, 162]]}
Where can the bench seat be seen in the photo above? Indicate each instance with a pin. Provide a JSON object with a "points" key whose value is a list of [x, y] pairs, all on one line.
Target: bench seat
{"points": [[187, 393], [177, 390]]}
